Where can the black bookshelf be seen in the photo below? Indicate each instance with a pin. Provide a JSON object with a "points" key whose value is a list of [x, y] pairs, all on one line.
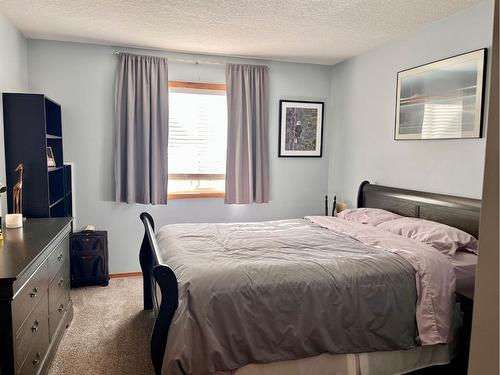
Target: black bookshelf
{"points": [[32, 122]]}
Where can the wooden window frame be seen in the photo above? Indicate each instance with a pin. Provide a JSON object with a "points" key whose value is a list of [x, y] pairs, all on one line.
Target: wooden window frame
{"points": [[188, 195], [197, 85], [196, 176], [187, 176]]}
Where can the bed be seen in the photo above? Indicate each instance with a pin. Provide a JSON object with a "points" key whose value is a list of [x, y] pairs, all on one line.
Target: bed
{"points": [[244, 281]]}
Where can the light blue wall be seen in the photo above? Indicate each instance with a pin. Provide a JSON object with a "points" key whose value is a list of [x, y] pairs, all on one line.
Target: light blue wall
{"points": [[81, 78], [363, 109], [13, 73], [358, 140]]}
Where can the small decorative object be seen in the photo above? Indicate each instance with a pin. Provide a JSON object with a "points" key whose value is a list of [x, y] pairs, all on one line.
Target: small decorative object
{"points": [[17, 190], [441, 100], [3, 189], [15, 220], [51, 161], [341, 206], [301, 128]]}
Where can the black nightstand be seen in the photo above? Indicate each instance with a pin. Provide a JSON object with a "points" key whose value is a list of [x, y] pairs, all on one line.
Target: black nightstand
{"points": [[461, 362]]}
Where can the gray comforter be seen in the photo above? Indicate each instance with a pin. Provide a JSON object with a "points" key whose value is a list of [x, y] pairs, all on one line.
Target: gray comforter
{"points": [[270, 291]]}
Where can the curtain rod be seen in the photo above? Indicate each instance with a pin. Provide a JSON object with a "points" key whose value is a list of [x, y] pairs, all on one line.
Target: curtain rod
{"points": [[195, 62]]}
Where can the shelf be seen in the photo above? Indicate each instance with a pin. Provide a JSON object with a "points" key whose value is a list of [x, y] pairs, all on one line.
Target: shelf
{"points": [[57, 149], [58, 209], [53, 121], [56, 186], [56, 202], [40, 118]]}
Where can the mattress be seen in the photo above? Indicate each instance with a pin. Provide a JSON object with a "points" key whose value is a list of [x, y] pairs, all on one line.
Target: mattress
{"points": [[376, 363], [394, 362], [464, 265]]}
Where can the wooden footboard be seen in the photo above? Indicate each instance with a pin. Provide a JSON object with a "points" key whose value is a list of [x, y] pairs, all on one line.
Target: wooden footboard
{"points": [[164, 303]]}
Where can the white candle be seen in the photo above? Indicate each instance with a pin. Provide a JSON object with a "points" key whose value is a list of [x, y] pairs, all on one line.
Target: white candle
{"points": [[14, 220]]}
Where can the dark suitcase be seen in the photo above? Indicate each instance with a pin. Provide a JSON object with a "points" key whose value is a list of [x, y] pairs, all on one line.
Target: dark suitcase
{"points": [[89, 258]]}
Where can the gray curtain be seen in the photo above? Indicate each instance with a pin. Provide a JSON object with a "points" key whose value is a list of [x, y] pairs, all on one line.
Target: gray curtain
{"points": [[247, 161], [141, 115]]}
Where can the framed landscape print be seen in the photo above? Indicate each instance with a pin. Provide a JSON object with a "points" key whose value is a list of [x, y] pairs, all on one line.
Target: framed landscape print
{"points": [[441, 100], [301, 128]]}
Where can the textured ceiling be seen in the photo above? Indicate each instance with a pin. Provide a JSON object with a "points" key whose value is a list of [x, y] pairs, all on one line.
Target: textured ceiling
{"points": [[316, 31]]}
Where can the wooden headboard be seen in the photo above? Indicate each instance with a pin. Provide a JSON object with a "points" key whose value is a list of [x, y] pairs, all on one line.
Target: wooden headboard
{"points": [[458, 212]]}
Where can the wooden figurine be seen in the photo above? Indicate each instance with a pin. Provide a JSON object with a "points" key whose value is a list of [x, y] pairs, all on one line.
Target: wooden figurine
{"points": [[17, 195]]}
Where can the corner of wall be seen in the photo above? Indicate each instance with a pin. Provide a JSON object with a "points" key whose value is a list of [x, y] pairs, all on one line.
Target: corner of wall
{"points": [[13, 71], [363, 105]]}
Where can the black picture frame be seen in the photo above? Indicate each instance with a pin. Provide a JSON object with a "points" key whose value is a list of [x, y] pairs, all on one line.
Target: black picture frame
{"points": [[282, 151], [478, 127]]}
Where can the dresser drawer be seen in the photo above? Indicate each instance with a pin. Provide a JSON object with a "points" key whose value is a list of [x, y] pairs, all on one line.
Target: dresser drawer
{"points": [[58, 310], [58, 285], [29, 296], [32, 331], [58, 257], [37, 353]]}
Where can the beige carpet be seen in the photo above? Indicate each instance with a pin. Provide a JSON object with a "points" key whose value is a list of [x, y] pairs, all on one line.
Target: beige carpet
{"points": [[109, 333]]}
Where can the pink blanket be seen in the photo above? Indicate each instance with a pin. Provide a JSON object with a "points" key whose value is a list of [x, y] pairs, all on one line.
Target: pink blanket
{"points": [[434, 275]]}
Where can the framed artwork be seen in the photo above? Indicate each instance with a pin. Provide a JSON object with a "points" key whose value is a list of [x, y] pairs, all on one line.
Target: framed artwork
{"points": [[301, 128], [443, 99]]}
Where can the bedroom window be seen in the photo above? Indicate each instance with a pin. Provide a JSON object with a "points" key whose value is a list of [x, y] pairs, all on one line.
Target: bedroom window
{"points": [[197, 140]]}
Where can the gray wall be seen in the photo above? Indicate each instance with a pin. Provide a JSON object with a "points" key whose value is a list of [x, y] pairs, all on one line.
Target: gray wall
{"points": [[81, 78], [363, 108], [13, 75]]}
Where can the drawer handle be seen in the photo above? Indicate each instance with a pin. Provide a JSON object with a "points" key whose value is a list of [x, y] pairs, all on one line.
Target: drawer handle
{"points": [[36, 361], [34, 327], [60, 283], [33, 293], [61, 308], [60, 257]]}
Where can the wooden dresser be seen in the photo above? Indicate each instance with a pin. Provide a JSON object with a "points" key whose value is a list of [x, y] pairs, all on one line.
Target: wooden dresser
{"points": [[35, 304]]}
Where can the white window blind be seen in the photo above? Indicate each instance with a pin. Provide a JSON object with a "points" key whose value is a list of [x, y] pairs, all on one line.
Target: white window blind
{"points": [[197, 141]]}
